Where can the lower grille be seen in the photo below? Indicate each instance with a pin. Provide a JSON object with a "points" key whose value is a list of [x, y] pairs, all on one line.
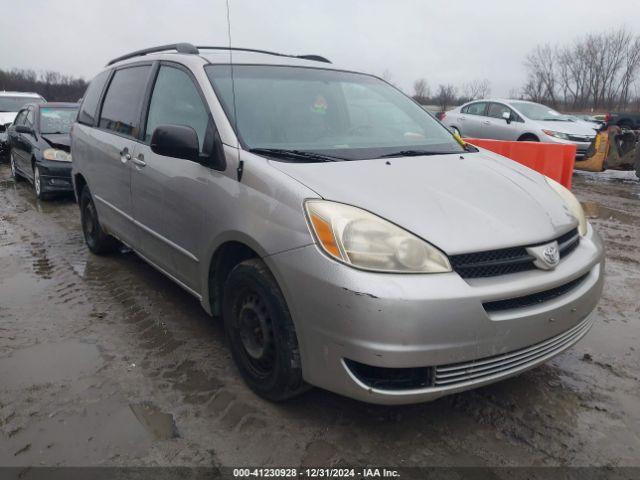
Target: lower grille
{"points": [[534, 298], [390, 378], [507, 260], [458, 373]]}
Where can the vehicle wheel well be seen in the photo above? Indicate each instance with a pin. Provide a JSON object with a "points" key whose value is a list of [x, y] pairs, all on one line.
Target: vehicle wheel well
{"points": [[226, 257], [79, 184], [528, 137]]}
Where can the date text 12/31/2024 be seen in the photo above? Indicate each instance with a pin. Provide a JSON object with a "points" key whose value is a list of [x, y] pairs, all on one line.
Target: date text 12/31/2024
{"points": [[315, 473]]}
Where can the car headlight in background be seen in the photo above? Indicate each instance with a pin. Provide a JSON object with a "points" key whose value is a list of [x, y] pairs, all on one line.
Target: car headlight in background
{"points": [[363, 240], [56, 155], [560, 135], [572, 204]]}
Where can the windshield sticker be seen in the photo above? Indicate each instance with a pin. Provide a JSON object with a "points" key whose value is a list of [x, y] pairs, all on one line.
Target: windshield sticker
{"points": [[320, 105]]}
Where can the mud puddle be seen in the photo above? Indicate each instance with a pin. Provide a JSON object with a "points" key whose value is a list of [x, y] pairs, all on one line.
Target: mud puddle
{"points": [[596, 210], [159, 424], [49, 363]]}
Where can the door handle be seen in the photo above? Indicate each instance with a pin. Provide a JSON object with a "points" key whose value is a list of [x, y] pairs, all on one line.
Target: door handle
{"points": [[139, 161], [486, 122]]}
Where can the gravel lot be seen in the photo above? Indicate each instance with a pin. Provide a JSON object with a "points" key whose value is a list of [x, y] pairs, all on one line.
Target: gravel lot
{"points": [[103, 361]]}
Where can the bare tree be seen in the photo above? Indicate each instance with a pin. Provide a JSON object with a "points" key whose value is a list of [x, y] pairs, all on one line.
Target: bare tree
{"points": [[597, 71], [387, 76], [51, 85], [476, 89], [446, 96], [421, 91]]}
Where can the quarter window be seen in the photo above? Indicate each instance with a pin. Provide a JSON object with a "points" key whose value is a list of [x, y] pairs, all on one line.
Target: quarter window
{"points": [[30, 118], [475, 108], [89, 105], [176, 101], [19, 120], [121, 107]]}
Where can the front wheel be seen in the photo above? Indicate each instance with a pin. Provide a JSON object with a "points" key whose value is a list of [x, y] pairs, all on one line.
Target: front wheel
{"points": [[14, 170], [261, 333], [37, 184], [98, 241]]}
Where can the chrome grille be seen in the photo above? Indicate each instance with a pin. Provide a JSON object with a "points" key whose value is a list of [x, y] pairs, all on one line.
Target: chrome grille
{"points": [[458, 373]]}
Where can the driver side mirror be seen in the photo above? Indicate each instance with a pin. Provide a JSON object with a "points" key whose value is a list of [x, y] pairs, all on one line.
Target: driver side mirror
{"points": [[176, 141], [507, 116], [24, 129]]}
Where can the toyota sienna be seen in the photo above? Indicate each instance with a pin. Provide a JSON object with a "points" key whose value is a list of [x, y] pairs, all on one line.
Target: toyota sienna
{"points": [[345, 237]]}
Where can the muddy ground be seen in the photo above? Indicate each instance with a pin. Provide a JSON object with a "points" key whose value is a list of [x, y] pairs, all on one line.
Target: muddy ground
{"points": [[103, 361]]}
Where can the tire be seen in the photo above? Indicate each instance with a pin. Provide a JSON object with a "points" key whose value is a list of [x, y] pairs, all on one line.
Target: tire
{"points": [[528, 138], [96, 239], [260, 332], [37, 184], [14, 171]]}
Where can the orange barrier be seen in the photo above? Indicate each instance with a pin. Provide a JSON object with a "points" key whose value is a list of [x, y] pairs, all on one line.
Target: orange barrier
{"points": [[551, 159]]}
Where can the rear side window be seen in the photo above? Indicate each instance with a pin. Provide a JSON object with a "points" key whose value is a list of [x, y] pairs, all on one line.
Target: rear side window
{"points": [[176, 101], [475, 108], [121, 107], [89, 105]]}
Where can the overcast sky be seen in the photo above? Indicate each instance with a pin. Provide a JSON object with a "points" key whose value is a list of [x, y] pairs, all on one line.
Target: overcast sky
{"points": [[444, 42]]}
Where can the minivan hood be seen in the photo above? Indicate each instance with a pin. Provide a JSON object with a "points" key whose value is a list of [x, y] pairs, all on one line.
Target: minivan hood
{"points": [[61, 141], [459, 203], [7, 117], [574, 128]]}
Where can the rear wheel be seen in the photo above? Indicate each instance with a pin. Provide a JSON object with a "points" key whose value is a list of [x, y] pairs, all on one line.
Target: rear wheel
{"points": [[261, 333], [96, 239]]}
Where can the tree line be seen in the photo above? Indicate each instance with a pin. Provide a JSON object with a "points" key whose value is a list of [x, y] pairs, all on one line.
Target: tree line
{"points": [[596, 72], [53, 86]]}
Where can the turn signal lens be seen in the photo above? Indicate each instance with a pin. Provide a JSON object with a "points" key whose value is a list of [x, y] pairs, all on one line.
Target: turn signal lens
{"points": [[361, 239]]}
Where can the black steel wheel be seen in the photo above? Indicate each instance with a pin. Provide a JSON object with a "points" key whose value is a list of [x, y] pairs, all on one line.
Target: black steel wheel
{"points": [[96, 239], [261, 333]]}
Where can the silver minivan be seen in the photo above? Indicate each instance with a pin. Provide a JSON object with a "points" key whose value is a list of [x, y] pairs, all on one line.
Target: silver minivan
{"points": [[345, 237], [520, 120]]}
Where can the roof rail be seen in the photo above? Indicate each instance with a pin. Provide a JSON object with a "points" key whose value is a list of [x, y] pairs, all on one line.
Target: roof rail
{"points": [[178, 47], [316, 58], [190, 49]]}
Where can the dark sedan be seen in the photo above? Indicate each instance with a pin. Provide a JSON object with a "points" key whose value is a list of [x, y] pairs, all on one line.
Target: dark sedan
{"points": [[39, 146]]}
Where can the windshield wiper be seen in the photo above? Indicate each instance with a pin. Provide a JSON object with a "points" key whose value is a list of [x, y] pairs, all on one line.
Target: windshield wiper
{"points": [[296, 154], [414, 153]]}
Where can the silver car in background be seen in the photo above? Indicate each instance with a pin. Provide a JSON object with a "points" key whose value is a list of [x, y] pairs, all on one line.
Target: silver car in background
{"points": [[347, 239], [519, 120]]}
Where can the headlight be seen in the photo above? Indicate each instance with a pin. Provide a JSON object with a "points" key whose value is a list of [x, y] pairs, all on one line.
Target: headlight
{"points": [[363, 240], [561, 135], [56, 155], [572, 204]]}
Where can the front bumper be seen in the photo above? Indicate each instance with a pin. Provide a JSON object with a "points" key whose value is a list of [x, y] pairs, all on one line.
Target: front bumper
{"points": [[55, 176], [581, 147], [343, 315]]}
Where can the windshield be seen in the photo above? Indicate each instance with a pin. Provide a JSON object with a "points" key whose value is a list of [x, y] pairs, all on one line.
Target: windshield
{"points": [[13, 104], [535, 111], [57, 120], [346, 115]]}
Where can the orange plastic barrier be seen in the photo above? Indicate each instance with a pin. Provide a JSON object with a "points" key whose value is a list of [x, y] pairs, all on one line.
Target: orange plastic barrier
{"points": [[551, 159]]}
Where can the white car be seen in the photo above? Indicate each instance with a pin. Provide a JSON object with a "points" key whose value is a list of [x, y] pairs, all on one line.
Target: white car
{"points": [[519, 120], [10, 104]]}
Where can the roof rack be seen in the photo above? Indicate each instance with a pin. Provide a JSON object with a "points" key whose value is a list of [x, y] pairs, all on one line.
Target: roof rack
{"points": [[192, 50], [315, 58], [178, 47]]}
